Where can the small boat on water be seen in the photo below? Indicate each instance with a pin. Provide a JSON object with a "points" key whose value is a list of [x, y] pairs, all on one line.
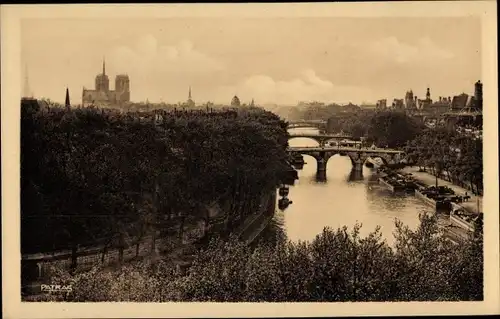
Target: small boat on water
{"points": [[283, 191], [297, 159], [298, 166], [283, 203]]}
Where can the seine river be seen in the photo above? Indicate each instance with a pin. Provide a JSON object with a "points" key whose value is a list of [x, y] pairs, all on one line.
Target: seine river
{"points": [[343, 200]]}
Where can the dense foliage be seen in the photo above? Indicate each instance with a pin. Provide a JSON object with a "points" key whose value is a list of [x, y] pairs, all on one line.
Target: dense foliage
{"points": [[92, 176], [314, 111], [457, 158], [338, 265], [384, 128]]}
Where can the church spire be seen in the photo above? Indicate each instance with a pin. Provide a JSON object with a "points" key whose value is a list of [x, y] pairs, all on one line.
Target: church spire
{"points": [[66, 102], [103, 66], [189, 97]]}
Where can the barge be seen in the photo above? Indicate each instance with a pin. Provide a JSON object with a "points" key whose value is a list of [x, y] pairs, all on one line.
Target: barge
{"points": [[460, 217], [398, 183], [392, 185], [419, 193], [440, 198]]}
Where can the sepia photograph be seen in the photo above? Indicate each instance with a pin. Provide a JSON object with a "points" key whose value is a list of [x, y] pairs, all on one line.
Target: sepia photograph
{"points": [[251, 153]]}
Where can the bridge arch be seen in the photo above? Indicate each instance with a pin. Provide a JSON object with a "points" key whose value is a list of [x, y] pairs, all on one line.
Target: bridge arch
{"points": [[322, 158], [312, 138]]}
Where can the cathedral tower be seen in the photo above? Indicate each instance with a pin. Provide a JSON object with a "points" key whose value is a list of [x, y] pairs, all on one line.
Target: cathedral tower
{"points": [[122, 88], [102, 80]]}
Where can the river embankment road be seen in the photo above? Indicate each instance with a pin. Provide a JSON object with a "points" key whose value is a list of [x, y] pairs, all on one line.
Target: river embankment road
{"points": [[430, 180]]}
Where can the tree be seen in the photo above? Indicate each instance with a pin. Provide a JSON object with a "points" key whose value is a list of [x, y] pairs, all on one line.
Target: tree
{"points": [[95, 176], [338, 265]]}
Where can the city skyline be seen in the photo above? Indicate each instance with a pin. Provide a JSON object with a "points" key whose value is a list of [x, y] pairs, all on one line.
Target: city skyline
{"points": [[274, 61]]}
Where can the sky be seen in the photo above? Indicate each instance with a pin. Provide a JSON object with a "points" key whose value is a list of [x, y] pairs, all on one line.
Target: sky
{"points": [[272, 60]]}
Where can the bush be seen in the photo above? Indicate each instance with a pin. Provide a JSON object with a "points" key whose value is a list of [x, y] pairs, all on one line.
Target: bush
{"points": [[338, 265]]}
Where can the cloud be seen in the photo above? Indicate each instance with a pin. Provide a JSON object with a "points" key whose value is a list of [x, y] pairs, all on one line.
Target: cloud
{"points": [[159, 71], [424, 50], [148, 57], [308, 86]]}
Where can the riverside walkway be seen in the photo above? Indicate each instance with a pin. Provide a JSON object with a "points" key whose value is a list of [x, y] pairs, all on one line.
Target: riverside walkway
{"points": [[429, 179]]}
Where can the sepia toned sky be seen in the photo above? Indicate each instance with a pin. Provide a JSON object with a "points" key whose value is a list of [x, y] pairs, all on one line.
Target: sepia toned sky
{"points": [[273, 60]]}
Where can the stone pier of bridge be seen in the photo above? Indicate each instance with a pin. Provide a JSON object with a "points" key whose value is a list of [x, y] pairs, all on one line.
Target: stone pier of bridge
{"points": [[321, 169], [322, 158], [358, 157]]}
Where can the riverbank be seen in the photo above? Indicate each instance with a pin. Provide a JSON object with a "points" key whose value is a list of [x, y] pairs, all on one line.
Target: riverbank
{"points": [[430, 180], [161, 249]]}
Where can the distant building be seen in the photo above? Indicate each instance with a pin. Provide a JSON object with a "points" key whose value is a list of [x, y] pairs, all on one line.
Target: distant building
{"points": [[102, 95], [440, 106], [398, 104], [410, 102], [427, 105], [467, 103], [350, 108], [381, 104], [235, 102], [190, 102], [478, 95], [459, 102], [423, 104]]}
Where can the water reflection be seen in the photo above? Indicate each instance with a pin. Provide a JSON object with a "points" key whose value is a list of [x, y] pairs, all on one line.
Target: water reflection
{"points": [[347, 197]]}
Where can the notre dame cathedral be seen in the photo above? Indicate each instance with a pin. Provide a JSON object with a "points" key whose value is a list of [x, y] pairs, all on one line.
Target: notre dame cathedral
{"points": [[102, 95]]}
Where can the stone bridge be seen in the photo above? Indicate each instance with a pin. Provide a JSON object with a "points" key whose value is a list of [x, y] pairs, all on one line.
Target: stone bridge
{"points": [[358, 156], [319, 124], [322, 139]]}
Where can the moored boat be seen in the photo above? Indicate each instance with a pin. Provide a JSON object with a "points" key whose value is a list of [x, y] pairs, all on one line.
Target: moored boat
{"points": [[460, 217], [441, 198], [283, 191], [283, 203]]}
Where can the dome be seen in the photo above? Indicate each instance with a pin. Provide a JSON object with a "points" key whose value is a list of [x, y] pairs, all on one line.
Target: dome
{"points": [[235, 101]]}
